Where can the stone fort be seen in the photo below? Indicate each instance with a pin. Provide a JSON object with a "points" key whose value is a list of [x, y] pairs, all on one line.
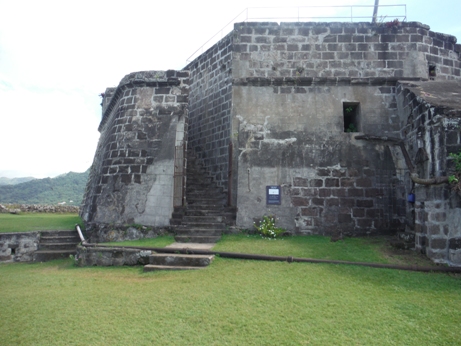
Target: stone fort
{"points": [[330, 127]]}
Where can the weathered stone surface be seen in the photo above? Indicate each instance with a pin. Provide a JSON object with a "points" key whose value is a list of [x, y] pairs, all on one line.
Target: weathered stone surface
{"points": [[273, 101], [18, 247], [132, 176], [101, 233], [110, 256]]}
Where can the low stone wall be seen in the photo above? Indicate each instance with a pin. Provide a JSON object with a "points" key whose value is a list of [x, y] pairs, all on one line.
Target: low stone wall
{"points": [[108, 233], [37, 208], [111, 256], [18, 247]]}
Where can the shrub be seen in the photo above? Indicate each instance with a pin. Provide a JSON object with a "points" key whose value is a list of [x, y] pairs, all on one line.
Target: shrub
{"points": [[455, 179], [267, 228]]}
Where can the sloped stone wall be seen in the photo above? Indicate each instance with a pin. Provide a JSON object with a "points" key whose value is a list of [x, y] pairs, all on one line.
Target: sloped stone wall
{"points": [[131, 179]]}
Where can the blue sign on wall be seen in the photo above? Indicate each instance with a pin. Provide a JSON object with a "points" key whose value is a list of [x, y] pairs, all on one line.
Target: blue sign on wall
{"points": [[273, 195]]}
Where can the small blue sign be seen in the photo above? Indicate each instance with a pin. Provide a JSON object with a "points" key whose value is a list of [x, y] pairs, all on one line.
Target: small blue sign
{"points": [[273, 195]]}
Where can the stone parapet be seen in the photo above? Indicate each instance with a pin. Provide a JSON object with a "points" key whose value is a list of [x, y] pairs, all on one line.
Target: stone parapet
{"points": [[343, 50]]}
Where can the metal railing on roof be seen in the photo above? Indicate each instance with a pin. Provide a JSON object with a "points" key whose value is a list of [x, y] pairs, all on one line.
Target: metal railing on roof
{"points": [[352, 13]]}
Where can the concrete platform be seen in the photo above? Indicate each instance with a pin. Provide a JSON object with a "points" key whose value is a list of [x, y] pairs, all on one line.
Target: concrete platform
{"points": [[194, 246]]}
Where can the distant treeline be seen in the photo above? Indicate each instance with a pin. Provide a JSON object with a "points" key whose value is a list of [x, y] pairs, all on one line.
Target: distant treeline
{"points": [[14, 181], [68, 188]]}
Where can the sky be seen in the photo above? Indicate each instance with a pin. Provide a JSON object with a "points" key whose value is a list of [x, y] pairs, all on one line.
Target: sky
{"points": [[56, 57]]}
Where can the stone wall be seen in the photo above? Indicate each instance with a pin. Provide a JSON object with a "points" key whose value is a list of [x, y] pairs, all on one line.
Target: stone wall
{"points": [[18, 247], [210, 103], [131, 179], [110, 256], [343, 50], [431, 122], [290, 82], [103, 233], [293, 135], [38, 208]]}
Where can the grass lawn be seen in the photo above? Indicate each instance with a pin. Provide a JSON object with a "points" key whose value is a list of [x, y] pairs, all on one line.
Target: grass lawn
{"points": [[26, 222], [232, 302], [372, 249]]}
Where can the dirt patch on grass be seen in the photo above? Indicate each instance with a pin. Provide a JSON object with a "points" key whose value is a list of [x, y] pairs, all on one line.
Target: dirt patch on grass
{"points": [[399, 256]]}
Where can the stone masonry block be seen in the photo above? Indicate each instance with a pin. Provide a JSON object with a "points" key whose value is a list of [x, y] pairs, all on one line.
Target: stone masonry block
{"points": [[316, 183], [312, 211], [300, 182], [439, 216], [438, 243], [300, 201], [331, 182], [344, 218]]}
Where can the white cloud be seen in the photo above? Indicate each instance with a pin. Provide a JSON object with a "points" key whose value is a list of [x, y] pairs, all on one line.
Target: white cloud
{"points": [[57, 56]]}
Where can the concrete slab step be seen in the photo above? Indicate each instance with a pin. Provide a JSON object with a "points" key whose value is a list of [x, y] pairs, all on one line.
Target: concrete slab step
{"points": [[196, 239], [191, 246], [181, 260], [153, 267], [201, 232]]}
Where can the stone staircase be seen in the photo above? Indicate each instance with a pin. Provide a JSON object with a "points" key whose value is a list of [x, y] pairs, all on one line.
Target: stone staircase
{"points": [[162, 261], [56, 245], [206, 215]]}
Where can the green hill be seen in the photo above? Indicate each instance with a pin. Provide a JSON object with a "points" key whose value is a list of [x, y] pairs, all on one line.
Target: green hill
{"points": [[14, 181], [67, 188]]}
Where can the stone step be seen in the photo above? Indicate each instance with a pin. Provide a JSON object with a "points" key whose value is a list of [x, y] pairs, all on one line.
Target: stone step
{"points": [[153, 267], [204, 194], [198, 185], [207, 209], [57, 246], [60, 239], [203, 225], [204, 213], [48, 255], [199, 179], [181, 260], [206, 199], [67, 233], [190, 238], [203, 218]]}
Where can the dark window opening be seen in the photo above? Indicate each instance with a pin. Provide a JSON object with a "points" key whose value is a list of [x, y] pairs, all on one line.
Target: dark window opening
{"points": [[432, 72], [351, 116], [13, 251]]}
